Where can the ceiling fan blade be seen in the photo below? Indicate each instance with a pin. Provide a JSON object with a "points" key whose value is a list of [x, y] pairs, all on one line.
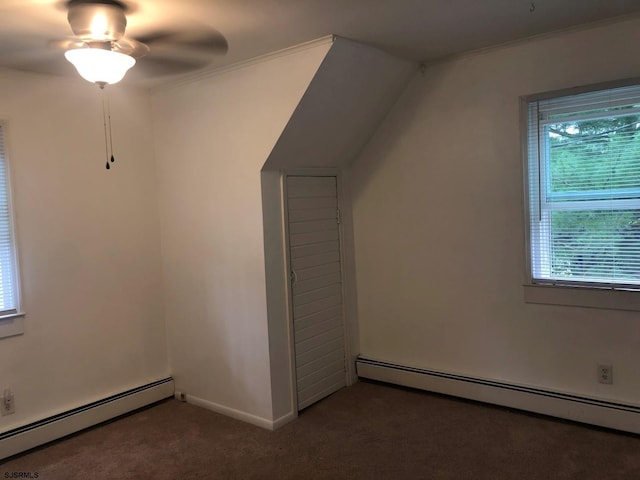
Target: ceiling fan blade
{"points": [[172, 52], [131, 47], [32, 54], [66, 43], [204, 40]]}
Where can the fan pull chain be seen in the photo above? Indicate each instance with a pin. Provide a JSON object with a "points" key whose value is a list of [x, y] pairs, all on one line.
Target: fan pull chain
{"points": [[108, 137], [104, 122]]}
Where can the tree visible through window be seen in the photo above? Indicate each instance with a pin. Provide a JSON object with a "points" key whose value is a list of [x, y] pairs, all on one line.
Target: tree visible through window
{"points": [[584, 188]]}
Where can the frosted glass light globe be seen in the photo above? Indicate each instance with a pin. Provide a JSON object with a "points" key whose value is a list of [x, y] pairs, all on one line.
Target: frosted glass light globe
{"points": [[100, 66]]}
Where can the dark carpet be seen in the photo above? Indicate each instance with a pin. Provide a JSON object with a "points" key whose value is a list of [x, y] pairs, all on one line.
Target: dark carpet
{"points": [[368, 431]]}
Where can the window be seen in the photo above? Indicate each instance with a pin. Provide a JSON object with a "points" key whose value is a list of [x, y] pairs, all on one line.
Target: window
{"points": [[9, 293], [583, 181]]}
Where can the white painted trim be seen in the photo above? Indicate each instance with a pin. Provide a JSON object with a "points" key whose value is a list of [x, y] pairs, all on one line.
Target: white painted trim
{"points": [[587, 297], [284, 197], [282, 421], [312, 172], [21, 439], [349, 289], [232, 412], [215, 71], [601, 412], [12, 325], [346, 321]]}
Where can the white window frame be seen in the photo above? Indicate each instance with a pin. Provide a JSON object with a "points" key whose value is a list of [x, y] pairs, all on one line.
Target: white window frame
{"points": [[539, 289], [12, 320]]}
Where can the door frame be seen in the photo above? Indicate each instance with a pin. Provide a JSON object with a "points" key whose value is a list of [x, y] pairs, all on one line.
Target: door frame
{"points": [[347, 301]]}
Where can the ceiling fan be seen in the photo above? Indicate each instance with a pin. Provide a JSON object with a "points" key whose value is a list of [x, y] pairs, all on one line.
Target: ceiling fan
{"points": [[100, 49], [102, 52]]}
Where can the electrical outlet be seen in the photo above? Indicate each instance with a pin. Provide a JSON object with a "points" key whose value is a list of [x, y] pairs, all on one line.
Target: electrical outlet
{"points": [[605, 374], [8, 403]]}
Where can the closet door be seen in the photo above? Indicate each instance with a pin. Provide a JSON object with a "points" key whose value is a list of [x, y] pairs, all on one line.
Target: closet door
{"points": [[316, 287]]}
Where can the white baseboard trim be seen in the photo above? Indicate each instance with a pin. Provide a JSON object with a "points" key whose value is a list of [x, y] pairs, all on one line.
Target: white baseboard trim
{"points": [[603, 413], [46, 430], [282, 421], [230, 412]]}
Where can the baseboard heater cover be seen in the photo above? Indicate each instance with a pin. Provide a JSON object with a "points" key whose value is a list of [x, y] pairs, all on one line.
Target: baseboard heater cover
{"points": [[52, 428], [603, 413]]}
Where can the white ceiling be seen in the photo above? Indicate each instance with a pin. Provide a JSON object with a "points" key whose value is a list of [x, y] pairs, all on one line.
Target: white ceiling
{"points": [[421, 30]]}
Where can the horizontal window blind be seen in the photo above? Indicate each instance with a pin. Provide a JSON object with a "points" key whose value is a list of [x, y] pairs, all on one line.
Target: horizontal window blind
{"points": [[584, 188], [8, 280]]}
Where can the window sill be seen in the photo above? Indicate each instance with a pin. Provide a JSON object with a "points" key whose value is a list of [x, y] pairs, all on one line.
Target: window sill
{"points": [[12, 325], [588, 297]]}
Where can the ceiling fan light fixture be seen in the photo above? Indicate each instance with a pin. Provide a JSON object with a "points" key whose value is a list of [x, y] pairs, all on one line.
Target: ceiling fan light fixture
{"points": [[100, 66], [97, 20]]}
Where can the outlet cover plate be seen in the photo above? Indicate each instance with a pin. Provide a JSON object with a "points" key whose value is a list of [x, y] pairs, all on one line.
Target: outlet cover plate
{"points": [[7, 407], [605, 374]]}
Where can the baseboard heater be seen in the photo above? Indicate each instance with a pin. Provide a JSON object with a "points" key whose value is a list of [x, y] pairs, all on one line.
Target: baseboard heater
{"points": [[609, 414], [52, 428]]}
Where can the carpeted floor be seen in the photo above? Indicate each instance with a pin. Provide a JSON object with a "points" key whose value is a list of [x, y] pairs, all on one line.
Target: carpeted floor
{"points": [[368, 431]]}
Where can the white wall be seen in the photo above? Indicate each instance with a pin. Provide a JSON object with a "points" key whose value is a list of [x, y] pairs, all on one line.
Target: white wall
{"points": [[89, 246], [349, 96], [212, 137], [438, 219]]}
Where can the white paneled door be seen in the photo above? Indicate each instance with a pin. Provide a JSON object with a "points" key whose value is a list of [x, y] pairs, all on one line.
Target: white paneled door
{"points": [[316, 287]]}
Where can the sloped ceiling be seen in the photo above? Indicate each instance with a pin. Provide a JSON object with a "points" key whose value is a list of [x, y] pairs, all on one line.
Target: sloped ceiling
{"points": [[348, 97]]}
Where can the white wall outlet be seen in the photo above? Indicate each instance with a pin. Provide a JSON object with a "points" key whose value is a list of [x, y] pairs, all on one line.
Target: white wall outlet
{"points": [[8, 403], [605, 374]]}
